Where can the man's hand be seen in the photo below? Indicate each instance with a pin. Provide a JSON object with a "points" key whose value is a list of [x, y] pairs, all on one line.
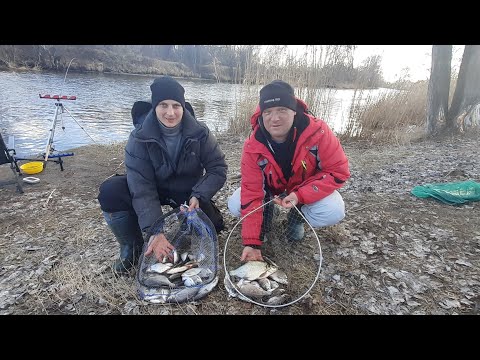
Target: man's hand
{"points": [[193, 204], [288, 201], [159, 245], [250, 254]]}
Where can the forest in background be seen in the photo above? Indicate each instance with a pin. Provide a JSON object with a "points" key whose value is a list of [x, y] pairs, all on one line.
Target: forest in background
{"points": [[332, 64]]}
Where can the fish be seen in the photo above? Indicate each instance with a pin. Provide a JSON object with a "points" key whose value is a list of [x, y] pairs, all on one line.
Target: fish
{"points": [[187, 293], [277, 290], [252, 270], [277, 300], [173, 255], [157, 280], [252, 289], [159, 268], [205, 272], [192, 280], [179, 269], [265, 284], [232, 292], [204, 290], [280, 277], [184, 256], [191, 272], [155, 296]]}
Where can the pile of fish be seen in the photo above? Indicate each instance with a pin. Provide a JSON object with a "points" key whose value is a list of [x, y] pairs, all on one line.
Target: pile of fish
{"points": [[177, 280], [259, 281]]}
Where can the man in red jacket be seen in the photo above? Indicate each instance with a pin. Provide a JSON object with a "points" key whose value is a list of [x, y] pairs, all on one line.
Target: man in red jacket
{"points": [[288, 152]]}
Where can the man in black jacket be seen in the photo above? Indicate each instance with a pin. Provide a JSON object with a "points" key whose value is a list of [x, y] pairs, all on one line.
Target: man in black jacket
{"points": [[171, 158]]}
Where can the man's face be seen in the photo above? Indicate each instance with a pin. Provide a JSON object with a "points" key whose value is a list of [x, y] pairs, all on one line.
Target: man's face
{"points": [[169, 112], [278, 121]]}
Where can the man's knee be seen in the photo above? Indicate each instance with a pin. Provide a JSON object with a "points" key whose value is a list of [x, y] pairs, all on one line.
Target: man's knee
{"points": [[114, 194], [234, 203], [326, 212]]}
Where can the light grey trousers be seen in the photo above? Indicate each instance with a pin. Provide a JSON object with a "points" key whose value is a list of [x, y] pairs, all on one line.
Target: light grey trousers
{"points": [[325, 212]]}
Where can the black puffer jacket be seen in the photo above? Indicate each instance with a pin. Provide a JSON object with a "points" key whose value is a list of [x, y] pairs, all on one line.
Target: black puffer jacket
{"points": [[201, 169]]}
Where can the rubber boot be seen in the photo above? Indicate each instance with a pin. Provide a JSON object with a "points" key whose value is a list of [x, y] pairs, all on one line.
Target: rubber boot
{"points": [[124, 225], [295, 228]]}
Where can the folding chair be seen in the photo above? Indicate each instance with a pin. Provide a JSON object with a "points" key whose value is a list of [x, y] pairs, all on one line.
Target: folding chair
{"points": [[7, 156]]}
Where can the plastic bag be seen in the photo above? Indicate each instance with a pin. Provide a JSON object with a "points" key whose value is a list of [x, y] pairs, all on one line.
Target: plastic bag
{"points": [[450, 193]]}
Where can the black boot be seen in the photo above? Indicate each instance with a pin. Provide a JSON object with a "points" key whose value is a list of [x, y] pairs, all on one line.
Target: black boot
{"points": [[124, 225], [213, 213], [295, 229]]}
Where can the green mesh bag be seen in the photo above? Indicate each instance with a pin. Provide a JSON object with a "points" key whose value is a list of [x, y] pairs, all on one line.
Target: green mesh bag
{"points": [[450, 193]]}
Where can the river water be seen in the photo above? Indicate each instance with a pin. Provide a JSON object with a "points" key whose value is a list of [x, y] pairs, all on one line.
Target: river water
{"points": [[101, 113]]}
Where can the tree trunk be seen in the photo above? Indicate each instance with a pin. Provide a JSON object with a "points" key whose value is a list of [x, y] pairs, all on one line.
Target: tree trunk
{"points": [[467, 90], [438, 86]]}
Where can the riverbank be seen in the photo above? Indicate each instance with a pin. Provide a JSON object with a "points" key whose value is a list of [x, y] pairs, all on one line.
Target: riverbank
{"points": [[392, 254]]}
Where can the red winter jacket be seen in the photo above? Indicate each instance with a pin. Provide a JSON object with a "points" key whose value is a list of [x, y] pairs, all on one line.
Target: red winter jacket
{"points": [[319, 167]]}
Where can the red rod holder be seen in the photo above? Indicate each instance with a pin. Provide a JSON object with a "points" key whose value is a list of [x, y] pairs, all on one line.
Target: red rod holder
{"points": [[58, 97]]}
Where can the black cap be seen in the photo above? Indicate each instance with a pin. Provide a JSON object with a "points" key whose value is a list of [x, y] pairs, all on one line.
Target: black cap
{"points": [[277, 93], [167, 88]]}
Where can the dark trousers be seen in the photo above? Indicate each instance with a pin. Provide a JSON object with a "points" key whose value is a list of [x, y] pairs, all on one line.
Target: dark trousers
{"points": [[114, 196]]}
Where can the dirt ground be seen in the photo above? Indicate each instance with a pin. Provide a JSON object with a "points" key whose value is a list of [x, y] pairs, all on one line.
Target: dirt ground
{"points": [[392, 254]]}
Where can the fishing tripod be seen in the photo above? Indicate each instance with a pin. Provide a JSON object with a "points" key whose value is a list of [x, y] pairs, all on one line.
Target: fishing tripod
{"points": [[49, 149], [59, 110]]}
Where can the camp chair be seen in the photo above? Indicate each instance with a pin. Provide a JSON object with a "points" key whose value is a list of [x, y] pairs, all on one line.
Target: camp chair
{"points": [[8, 156]]}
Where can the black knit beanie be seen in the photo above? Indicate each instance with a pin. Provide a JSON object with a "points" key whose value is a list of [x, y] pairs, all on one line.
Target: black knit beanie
{"points": [[277, 93], [167, 88]]}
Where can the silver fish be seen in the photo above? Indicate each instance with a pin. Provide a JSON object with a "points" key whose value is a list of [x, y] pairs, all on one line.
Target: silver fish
{"points": [[175, 256], [156, 280], [192, 280], [179, 269], [251, 289], [205, 272], [156, 296], [251, 270], [184, 256], [280, 277], [186, 294], [265, 284], [159, 268], [277, 300], [204, 290], [231, 290], [191, 272]]}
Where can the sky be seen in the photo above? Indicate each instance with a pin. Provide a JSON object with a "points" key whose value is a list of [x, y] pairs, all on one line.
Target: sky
{"points": [[396, 58]]}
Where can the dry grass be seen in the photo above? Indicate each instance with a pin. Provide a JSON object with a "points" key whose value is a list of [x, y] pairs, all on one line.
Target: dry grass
{"points": [[396, 117]]}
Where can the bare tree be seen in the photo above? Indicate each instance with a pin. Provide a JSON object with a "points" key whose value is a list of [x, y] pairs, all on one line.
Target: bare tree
{"points": [[467, 91], [438, 86]]}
